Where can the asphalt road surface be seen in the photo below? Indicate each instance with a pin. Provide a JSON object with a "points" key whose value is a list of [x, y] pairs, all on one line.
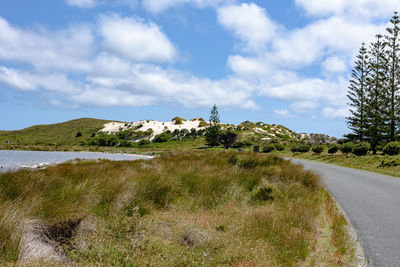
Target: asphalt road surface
{"points": [[372, 203]]}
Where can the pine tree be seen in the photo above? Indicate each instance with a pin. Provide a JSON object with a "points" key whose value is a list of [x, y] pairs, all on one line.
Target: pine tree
{"points": [[376, 93], [213, 131], [392, 42], [357, 122]]}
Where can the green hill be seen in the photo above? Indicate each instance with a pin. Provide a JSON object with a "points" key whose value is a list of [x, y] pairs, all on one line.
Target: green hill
{"points": [[55, 134]]}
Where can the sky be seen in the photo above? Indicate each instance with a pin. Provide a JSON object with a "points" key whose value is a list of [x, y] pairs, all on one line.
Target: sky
{"points": [[285, 62]]}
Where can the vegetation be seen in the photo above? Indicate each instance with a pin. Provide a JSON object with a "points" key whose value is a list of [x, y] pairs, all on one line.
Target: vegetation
{"points": [[383, 164], [374, 90], [227, 138], [188, 209], [333, 149], [392, 149], [214, 129], [178, 120], [268, 149], [361, 149], [318, 149], [162, 138], [59, 134]]}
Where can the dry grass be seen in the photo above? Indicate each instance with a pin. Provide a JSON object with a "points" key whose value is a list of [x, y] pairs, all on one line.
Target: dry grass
{"points": [[187, 209]]}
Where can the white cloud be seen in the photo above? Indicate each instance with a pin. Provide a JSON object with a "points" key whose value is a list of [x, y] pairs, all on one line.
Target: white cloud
{"points": [[157, 6], [179, 88], [303, 106], [334, 64], [65, 49], [136, 40], [284, 113], [27, 81], [82, 3], [249, 22], [302, 47], [248, 66], [108, 98], [362, 9], [333, 113]]}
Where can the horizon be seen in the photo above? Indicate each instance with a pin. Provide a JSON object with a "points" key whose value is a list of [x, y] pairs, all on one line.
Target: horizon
{"points": [[284, 63]]}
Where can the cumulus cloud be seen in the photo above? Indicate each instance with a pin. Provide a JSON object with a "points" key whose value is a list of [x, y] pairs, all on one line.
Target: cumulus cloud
{"points": [[284, 113], [157, 6], [134, 39], [359, 8], [334, 113], [64, 49], [82, 3], [302, 47], [27, 81], [334, 64], [249, 22]]}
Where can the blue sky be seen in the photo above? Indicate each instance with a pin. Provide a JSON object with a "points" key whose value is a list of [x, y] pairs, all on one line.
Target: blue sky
{"points": [[285, 62]]}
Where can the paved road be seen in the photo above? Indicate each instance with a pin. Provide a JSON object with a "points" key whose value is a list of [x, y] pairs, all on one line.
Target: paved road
{"points": [[372, 203]]}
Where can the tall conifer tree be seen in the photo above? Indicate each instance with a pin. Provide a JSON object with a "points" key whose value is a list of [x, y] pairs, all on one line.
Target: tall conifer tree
{"points": [[357, 122], [213, 131], [393, 52], [377, 93]]}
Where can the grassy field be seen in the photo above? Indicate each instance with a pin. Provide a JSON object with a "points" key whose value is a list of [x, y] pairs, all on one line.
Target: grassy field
{"points": [[187, 209], [54, 134], [388, 165]]}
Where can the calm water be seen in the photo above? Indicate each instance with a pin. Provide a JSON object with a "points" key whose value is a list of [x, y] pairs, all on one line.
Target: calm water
{"points": [[10, 159]]}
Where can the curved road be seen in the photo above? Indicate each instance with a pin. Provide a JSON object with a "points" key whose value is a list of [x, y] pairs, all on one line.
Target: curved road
{"points": [[372, 203]]}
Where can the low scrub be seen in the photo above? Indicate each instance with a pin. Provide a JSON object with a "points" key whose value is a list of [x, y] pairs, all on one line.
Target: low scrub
{"points": [[346, 148], [361, 149], [392, 149], [300, 148], [333, 149], [318, 149], [189, 209], [268, 149]]}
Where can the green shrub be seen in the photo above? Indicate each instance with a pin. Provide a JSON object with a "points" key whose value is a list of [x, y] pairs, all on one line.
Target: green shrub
{"points": [[263, 194], [361, 149], [346, 148], [144, 142], [78, 134], [318, 149], [390, 163], [392, 149], [268, 148], [279, 147], [126, 143], [203, 124], [293, 149], [161, 138], [303, 148], [333, 149], [178, 120]]}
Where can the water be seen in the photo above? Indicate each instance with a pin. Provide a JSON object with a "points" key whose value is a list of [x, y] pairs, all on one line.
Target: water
{"points": [[10, 159]]}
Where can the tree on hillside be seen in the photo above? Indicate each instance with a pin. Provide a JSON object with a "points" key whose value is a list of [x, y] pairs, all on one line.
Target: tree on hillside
{"points": [[376, 93], [213, 130], [393, 51], [357, 122]]}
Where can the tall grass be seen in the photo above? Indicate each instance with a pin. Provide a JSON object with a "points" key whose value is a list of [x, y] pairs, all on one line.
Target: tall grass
{"points": [[142, 208]]}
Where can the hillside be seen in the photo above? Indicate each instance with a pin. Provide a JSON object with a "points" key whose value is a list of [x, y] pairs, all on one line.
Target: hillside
{"points": [[54, 134], [66, 133]]}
